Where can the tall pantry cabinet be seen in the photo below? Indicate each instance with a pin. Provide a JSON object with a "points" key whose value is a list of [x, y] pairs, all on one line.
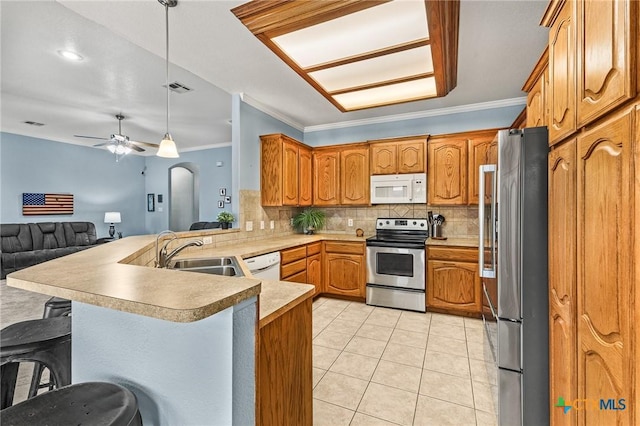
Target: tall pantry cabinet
{"points": [[593, 116]]}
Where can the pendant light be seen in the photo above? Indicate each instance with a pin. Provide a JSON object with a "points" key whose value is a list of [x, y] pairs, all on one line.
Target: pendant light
{"points": [[167, 147]]}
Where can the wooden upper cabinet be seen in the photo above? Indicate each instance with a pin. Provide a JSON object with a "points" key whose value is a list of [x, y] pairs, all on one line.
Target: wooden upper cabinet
{"points": [[285, 171], [562, 74], [326, 177], [607, 39], [536, 87], [290, 173], [478, 146], [397, 156], [354, 175], [305, 185], [447, 171], [606, 294], [562, 277]]}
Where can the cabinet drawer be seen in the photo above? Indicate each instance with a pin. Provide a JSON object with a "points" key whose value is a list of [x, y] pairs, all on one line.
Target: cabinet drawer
{"points": [[343, 247], [462, 254], [293, 254], [300, 277], [293, 268], [314, 248]]}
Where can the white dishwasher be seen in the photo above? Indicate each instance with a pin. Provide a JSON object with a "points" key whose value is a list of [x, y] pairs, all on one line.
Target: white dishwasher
{"points": [[266, 266]]}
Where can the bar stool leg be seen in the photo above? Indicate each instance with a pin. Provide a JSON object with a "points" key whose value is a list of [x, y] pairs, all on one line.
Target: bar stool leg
{"points": [[9, 375]]}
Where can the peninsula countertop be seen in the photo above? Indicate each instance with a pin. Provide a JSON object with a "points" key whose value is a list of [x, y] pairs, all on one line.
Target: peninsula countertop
{"points": [[100, 276]]}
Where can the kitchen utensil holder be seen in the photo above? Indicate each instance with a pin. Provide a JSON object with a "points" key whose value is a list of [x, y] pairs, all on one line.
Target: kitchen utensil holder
{"points": [[436, 230]]}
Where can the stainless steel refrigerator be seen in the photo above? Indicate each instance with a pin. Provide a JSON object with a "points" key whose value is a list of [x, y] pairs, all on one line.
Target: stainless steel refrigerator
{"points": [[513, 250]]}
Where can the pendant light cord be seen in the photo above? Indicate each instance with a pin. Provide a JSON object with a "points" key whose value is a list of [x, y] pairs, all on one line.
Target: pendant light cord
{"points": [[166, 8]]}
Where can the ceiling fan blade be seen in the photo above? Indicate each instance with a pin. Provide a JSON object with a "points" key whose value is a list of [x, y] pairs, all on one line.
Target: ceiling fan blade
{"points": [[104, 144], [135, 147], [149, 144], [91, 137]]}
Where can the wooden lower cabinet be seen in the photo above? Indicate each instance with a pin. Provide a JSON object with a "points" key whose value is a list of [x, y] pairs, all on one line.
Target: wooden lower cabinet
{"points": [[453, 281], [314, 272], [345, 270], [284, 375]]}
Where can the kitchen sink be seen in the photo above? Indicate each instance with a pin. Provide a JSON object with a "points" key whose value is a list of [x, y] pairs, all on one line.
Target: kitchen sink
{"points": [[227, 266]]}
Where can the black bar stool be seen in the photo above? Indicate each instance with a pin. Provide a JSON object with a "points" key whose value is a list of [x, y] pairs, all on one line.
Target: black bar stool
{"points": [[90, 403], [45, 341], [54, 307]]}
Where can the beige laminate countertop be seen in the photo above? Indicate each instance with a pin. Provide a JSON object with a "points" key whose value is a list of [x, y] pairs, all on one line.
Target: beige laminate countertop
{"points": [[99, 277], [453, 242]]}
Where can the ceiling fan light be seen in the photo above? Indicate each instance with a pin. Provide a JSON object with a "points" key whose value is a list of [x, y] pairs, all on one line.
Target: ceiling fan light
{"points": [[167, 148]]}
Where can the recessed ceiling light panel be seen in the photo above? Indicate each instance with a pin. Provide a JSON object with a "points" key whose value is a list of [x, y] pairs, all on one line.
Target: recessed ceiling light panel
{"points": [[70, 55], [387, 95], [380, 27]]}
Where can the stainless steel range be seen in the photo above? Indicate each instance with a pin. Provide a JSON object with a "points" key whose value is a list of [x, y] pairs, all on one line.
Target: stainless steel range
{"points": [[396, 264]]}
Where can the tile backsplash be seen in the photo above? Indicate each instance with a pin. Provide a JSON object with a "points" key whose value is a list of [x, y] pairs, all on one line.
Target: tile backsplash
{"points": [[460, 221]]}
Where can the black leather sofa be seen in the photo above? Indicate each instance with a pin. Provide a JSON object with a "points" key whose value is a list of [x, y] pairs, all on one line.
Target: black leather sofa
{"points": [[27, 244]]}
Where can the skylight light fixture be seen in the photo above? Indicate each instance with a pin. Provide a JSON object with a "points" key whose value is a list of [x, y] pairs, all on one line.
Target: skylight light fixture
{"points": [[362, 54], [167, 147]]}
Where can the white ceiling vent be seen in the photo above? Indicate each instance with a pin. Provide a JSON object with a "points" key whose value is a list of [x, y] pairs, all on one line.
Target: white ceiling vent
{"points": [[178, 87], [33, 123]]}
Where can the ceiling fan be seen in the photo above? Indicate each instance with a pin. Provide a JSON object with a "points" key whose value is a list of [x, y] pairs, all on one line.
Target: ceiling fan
{"points": [[120, 144]]}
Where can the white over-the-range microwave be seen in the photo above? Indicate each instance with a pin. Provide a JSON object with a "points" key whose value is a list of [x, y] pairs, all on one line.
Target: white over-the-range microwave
{"points": [[399, 189]]}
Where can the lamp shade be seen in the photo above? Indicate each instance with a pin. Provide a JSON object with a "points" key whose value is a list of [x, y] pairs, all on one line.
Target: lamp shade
{"points": [[112, 217], [167, 148]]}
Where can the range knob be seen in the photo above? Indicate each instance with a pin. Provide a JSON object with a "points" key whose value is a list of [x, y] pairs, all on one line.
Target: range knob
{"points": [[387, 222], [380, 224], [421, 223], [415, 223]]}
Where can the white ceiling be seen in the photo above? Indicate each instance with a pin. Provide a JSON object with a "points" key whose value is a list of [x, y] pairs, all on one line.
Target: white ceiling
{"points": [[123, 68]]}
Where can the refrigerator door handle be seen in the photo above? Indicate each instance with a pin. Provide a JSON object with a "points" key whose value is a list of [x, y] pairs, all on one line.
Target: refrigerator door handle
{"points": [[484, 271]]}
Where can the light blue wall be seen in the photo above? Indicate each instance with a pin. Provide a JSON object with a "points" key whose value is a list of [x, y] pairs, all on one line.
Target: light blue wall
{"points": [[96, 180], [451, 123], [212, 178], [254, 123]]}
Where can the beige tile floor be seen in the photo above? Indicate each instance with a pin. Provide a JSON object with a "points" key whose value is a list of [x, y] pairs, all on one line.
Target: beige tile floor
{"points": [[378, 366]]}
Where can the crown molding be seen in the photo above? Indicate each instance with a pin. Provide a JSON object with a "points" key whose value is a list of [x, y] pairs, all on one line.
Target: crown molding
{"points": [[420, 114], [271, 112]]}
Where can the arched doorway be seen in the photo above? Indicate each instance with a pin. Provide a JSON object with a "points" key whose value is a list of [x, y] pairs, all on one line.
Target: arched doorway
{"points": [[184, 196]]}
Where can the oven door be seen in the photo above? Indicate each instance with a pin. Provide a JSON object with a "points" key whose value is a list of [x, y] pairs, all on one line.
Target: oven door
{"points": [[396, 267]]}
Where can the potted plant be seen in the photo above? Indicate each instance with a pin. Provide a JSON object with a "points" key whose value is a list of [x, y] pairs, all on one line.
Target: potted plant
{"points": [[309, 220], [225, 219]]}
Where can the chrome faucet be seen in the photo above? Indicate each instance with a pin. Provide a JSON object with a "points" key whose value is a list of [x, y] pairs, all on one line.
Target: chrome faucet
{"points": [[162, 258]]}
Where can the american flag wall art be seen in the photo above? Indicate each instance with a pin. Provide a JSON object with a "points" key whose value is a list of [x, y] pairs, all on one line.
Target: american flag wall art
{"points": [[41, 204]]}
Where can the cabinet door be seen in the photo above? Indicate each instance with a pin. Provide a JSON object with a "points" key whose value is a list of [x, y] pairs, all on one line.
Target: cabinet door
{"points": [[326, 182], [354, 176], [304, 176], [536, 103], [271, 170], [314, 272], [345, 274], [454, 286], [562, 88], [477, 157], [289, 173], [605, 59], [383, 158], [448, 172], [562, 278], [606, 363], [411, 156]]}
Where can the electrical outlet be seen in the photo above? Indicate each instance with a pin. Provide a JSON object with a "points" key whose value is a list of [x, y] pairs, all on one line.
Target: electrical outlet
{"points": [[248, 226], [350, 222], [291, 221], [262, 224], [272, 225], [207, 240]]}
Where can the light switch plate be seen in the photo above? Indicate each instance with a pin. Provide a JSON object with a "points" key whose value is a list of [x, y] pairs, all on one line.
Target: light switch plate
{"points": [[350, 222], [272, 225], [207, 240], [248, 226], [262, 224]]}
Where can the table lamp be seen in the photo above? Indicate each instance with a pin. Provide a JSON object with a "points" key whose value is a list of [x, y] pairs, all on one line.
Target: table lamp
{"points": [[111, 218]]}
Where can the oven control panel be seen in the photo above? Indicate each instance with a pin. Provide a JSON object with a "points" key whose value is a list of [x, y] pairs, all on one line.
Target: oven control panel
{"points": [[402, 224]]}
